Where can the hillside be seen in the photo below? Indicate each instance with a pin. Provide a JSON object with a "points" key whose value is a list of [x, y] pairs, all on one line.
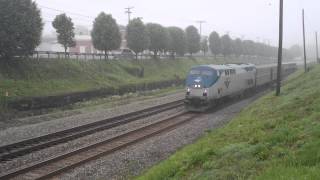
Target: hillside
{"points": [[47, 77], [274, 138]]}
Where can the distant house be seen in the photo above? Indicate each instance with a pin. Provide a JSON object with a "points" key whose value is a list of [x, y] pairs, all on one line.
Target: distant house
{"points": [[83, 41], [123, 31], [83, 45]]}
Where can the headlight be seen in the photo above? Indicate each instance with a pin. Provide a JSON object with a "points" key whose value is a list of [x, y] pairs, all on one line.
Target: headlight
{"points": [[205, 92], [188, 92]]}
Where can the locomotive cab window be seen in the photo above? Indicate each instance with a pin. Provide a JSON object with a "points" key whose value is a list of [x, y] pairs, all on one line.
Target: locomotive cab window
{"points": [[206, 73], [195, 72]]}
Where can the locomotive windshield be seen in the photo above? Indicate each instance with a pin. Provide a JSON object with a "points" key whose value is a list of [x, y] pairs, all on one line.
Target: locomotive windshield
{"points": [[203, 76]]}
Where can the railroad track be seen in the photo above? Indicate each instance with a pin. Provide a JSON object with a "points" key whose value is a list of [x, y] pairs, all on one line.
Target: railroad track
{"points": [[62, 163], [11, 151]]}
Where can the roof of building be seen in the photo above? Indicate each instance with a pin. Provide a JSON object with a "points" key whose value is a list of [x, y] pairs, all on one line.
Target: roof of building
{"points": [[83, 37]]}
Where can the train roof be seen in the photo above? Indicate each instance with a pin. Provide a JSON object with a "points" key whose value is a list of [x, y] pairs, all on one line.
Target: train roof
{"points": [[226, 66], [239, 66], [275, 65]]}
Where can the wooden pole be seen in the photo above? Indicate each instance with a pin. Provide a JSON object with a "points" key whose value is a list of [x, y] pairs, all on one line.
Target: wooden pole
{"points": [[317, 49], [304, 43], [280, 49]]}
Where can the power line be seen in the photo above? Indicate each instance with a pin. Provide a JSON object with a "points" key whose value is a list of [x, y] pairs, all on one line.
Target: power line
{"points": [[74, 19], [62, 11]]}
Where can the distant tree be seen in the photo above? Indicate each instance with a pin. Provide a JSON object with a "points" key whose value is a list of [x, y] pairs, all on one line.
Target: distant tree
{"points": [[177, 41], [193, 40], [255, 50], [65, 29], [295, 51], [226, 45], [20, 28], [237, 47], [105, 34], [260, 49], [137, 36], [265, 52], [158, 38], [167, 41], [269, 51], [215, 43], [204, 45], [249, 48]]}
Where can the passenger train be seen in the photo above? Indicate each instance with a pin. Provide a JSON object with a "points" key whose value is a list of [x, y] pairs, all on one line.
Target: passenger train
{"points": [[206, 85]]}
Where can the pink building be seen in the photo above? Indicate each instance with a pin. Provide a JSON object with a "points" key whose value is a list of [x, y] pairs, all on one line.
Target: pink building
{"points": [[84, 43]]}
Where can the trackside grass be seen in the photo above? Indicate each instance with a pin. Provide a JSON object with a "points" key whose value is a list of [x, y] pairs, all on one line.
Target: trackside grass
{"points": [[274, 138], [30, 78]]}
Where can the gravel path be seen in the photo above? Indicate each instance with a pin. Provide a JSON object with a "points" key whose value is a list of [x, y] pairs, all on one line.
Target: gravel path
{"points": [[15, 134], [134, 159]]}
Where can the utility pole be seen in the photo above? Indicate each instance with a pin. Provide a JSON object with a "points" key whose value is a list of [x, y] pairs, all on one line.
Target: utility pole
{"points": [[129, 12], [280, 49], [304, 43], [200, 24], [317, 50]]}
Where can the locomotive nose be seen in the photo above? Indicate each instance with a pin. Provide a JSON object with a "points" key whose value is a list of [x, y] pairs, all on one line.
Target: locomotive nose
{"points": [[198, 83]]}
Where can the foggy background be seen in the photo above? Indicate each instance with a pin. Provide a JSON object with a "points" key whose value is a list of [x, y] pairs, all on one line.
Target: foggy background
{"points": [[247, 19]]}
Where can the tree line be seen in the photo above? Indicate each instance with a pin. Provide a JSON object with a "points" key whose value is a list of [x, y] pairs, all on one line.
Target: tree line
{"points": [[20, 34]]}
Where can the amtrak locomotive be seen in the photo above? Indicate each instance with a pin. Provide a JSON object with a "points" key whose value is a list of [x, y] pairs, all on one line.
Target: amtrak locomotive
{"points": [[206, 85]]}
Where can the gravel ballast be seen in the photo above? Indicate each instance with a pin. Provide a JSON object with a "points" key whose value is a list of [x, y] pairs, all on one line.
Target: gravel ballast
{"points": [[129, 161], [16, 134], [85, 141], [134, 159]]}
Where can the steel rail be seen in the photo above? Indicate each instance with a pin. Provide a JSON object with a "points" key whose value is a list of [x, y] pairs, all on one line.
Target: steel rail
{"points": [[11, 151], [62, 163]]}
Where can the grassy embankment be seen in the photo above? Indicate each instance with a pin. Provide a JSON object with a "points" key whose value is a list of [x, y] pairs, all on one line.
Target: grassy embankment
{"points": [[47, 77], [274, 138]]}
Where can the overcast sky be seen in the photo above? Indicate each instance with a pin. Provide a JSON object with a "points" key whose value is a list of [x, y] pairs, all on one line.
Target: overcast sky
{"points": [[249, 19]]}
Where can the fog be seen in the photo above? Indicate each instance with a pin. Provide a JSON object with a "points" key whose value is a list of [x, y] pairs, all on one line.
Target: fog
{"points": [[247, 19]]}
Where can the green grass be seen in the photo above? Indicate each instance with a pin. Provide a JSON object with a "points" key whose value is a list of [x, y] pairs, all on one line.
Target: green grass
{"points": [[274, 138], [48, 77], [89, 106], [113, 101]]}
